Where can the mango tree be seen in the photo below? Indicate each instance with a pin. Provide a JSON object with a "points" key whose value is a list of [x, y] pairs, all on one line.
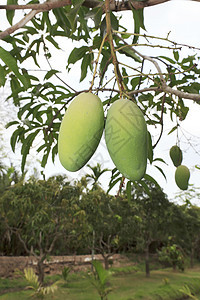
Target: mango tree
{"points": [[153, 209], [184, 227], [104, 225], [113, 62], [40, 214]]}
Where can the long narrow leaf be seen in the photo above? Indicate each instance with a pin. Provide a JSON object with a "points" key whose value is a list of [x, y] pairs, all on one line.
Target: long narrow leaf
{"points": [[7, 58]]}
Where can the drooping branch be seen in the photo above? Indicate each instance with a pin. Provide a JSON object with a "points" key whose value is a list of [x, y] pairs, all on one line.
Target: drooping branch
{"points": [[114, 5]]}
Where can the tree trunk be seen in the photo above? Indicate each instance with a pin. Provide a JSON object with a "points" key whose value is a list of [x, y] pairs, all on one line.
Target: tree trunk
{"points": [[40, 269], [192, 257], [174, 266], [106, 262], [147, 269]]}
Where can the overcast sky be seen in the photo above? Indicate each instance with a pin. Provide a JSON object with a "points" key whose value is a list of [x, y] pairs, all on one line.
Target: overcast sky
{"points": [[181, 19]]}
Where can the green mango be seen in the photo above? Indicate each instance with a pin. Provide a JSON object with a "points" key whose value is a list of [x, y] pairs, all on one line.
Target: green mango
{"points": [[182, 176], [80, 131], [176, 155], [126, 138]]}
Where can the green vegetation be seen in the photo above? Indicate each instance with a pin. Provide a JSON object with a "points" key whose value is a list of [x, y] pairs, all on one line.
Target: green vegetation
{"points": [[100, 280], [173, 255], [164, 284]]}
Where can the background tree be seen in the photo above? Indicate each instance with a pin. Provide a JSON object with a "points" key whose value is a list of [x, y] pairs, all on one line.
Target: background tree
{"points": [[38, 214], [104, 224], [153, 210], [173, 255], [184, 228]]}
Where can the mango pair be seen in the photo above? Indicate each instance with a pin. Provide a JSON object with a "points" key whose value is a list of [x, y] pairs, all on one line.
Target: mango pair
{"points": [[182, 173], [125, 135]]}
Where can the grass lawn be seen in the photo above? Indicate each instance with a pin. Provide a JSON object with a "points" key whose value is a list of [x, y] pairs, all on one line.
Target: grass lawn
{"points": [[162, 284]]}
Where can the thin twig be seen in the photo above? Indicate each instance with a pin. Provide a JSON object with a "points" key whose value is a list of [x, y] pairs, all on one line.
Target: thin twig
{"points": [[161, 121], [165, 88], [166, 39], [120, 186], [97, 60]]}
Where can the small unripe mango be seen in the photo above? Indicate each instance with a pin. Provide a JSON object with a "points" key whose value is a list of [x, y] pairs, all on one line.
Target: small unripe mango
{"points": [[176, 155], [80, 131], [182, 176], [126, 138]]}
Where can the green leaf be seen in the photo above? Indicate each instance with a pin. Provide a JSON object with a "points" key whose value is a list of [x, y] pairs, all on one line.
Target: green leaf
{"points": [[50, 74], [85, 64], [125, 76], [106, 60], [145, 187], [162, 172], [168, 59], [150, 148], [22, 110], [114, 24], [17, 134], [45, 157], [11, 124], [128, 190], [72, 14], [10, 13], [160, 159], [9, 60], [114, 183], [130, 53], [138, 15], [52, 41], [27, 143], [190, 59], [77, 54], [2, 76], [54, 152], [151, 179], [95, 14], [134, 82], [173, 129], [84, 24], [176, 55]]}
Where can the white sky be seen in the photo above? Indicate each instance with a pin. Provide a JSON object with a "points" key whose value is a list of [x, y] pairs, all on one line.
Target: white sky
{"points": [[181, 19]]}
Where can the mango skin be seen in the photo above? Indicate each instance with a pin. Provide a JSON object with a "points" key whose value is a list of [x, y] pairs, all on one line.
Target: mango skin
{"points": [[182, 176], [80, 131], [126, 138], [176, 155]]}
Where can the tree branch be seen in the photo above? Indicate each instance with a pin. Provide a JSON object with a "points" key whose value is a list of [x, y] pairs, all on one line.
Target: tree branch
{"points": [[51, 4], [164, 87], [42, 6], [115, 5], [30, 252], [20, 24]]}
